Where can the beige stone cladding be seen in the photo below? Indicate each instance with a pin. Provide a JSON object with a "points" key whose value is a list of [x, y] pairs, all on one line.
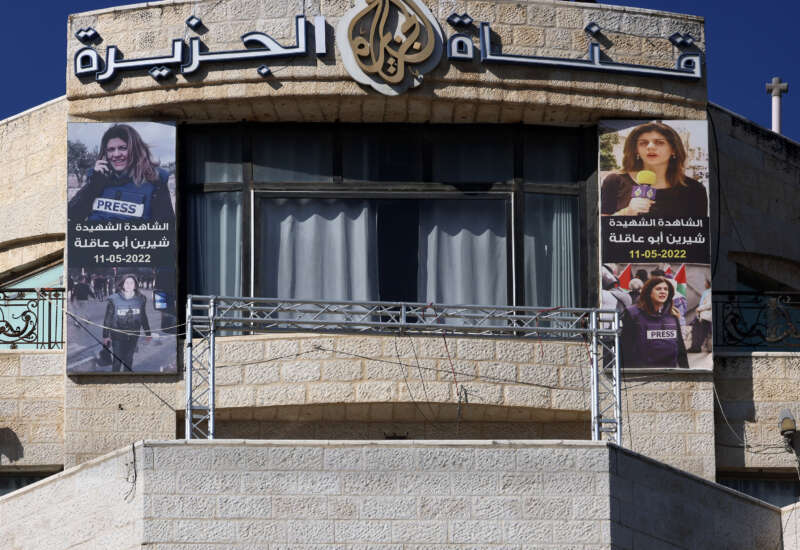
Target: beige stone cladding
{"points": [[31, 410], [753, 389], [318, 90], [790, 517], [95, 506], [670, 417], [515, 387], [305, 369], [103, 413], [333, 494], [33, 160]]}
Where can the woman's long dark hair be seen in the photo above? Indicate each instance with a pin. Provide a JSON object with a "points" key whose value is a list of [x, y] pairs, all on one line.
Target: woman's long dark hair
{"points": [[677, 163], [645, 301], [141, 167]]}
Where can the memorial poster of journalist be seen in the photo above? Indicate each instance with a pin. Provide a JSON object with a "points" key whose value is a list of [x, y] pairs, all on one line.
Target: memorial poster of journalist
{"points": [[655, 242], [121, 248]]}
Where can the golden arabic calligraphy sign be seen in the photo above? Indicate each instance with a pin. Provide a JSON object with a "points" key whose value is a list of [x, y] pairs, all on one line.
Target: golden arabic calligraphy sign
{"points": [[389, 44]]}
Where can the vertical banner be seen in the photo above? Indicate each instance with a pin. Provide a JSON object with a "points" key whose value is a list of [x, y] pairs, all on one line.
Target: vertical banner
{"points": [[654, 239], [121, 248]]}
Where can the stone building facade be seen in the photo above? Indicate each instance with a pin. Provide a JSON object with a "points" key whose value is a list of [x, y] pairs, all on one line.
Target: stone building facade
{"points": [[317, 389]]}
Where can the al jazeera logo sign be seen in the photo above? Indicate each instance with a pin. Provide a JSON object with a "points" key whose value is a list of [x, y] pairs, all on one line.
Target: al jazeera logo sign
{"points": [[389, 44]]}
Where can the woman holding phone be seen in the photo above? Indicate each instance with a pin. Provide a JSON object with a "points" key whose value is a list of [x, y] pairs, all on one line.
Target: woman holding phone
{"points": [[124, 184]]}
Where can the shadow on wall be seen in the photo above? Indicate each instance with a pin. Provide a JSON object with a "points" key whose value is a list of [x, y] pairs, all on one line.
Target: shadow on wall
{"points": [[735, 419], [10, 446], [378, 421]]}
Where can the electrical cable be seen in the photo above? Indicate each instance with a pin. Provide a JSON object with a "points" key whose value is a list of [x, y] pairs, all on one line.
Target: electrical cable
{"points": [[148, 388], [748, 448], [421, 377], [405, 378], [466, 374]]}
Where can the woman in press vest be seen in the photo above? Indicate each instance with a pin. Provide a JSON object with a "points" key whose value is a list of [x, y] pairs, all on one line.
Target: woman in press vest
{"points": [[651, 330], [125, 184], [125, 319]]}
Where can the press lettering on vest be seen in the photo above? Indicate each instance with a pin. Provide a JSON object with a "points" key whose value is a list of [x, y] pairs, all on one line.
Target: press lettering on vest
{"points": [[128, 311], [118, 207], [662, 334]]}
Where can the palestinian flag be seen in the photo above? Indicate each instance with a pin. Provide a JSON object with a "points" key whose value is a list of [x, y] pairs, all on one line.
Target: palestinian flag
{"points": [[625, 278], [680, 279], [668, 273]]}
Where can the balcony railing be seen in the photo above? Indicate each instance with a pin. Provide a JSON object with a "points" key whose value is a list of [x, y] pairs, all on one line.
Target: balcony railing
{"points": [[757, 321], [253, 315], [31, 318]]}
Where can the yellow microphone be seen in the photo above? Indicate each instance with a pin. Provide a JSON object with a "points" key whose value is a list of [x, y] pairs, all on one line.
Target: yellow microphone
{"points": [[643, 188], [646, 177]]}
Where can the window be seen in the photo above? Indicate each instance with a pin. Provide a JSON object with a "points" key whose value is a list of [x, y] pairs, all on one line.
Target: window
{"points": [[777, 489], [31, 310], [487, 215], [10, 482]]}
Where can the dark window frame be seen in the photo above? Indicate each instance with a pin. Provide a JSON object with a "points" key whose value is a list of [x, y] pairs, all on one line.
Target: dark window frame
{"points": [[513, 190]]}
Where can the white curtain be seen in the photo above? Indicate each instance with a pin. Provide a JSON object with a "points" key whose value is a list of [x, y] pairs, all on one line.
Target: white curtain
{"points": [[462, 252], [318, 249], [551, 261], [215, 252]]}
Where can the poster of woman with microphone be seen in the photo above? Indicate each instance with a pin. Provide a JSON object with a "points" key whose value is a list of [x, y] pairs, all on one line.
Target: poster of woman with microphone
{"points": [[655, 245]]}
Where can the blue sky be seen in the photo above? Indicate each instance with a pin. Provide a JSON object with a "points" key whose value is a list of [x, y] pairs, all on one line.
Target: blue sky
{"points": [[748, 44]]}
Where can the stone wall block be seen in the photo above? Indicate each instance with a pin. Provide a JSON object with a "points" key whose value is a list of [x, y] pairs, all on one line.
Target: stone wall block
{"points": [[235, 507], [301, 371], [472, 348], [299, 507], [280, 394], [41, 364], [319, 483], [444, 507], [545, 375], [529, 533], [377, 392], [344, 459], [262, 374], [364, 346], [269, 483], [426, 483], [369, 483], [476, 532], [261, 531], [541, 15], [389, 508], [360, 531], [296, 458], [497, 508], [342, 370], [515, 351], [527, 396]]}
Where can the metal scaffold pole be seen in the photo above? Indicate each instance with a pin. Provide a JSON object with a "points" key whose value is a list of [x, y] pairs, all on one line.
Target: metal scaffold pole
{"points": [[210, 316], [199, 364], [606, 379]]}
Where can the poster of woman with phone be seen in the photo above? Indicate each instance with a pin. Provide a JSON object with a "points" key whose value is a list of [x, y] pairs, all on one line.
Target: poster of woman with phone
{"points": [[121, 233], [125, 184]]}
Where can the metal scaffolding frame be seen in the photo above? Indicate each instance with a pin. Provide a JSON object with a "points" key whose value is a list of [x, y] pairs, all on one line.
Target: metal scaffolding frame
{"points": [[211, 316]]}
